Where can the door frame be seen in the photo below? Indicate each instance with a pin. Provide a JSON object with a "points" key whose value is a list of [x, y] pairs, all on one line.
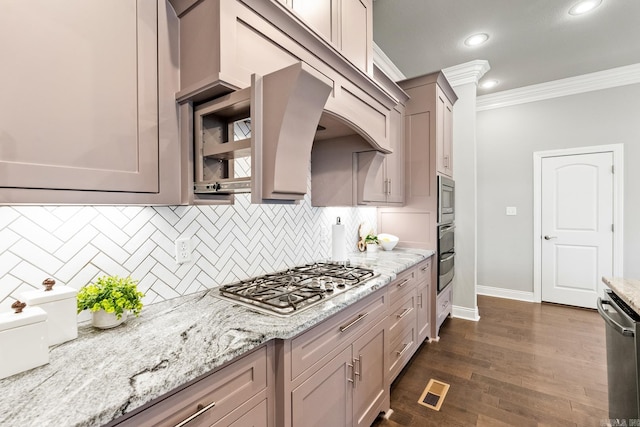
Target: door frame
{"points": [[618, 207]]}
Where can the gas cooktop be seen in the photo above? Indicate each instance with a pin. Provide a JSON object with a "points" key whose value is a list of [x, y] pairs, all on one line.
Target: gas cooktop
{"points": [[291, 291]]}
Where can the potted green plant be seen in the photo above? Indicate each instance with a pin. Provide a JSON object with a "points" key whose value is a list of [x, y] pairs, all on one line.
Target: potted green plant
{"points": [[110, 299], [371, 240]]}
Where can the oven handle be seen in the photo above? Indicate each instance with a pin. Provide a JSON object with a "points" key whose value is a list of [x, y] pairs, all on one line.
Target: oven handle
{"points": [[445, 228], [615, 325], [448, 258]]}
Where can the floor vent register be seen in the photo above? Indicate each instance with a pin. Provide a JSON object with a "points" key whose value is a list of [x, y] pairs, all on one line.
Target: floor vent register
{"points": [[434, 394]]}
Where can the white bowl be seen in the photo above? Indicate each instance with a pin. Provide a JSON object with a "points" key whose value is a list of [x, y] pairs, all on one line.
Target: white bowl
{"points": [[387, 241]]}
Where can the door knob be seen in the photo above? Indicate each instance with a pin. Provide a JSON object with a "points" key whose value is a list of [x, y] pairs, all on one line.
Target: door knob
{"points": [[547, 237]]}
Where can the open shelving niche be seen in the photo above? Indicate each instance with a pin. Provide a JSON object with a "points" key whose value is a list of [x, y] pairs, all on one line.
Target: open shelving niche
{"points": [[272, 123]]}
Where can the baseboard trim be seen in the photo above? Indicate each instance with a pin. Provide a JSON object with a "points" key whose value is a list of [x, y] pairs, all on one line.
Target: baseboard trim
{"points": [[465, 313], [505, 293]]}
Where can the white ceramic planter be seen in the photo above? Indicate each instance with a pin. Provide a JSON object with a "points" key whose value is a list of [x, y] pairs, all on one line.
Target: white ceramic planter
{"points": [[103, 320], [372, 247]]}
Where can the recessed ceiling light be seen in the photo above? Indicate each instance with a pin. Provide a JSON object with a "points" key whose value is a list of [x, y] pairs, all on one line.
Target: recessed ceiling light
{"points": [[489, 84], [584, 7], [476, 39]]}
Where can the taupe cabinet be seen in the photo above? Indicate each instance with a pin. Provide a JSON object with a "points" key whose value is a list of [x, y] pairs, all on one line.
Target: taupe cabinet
{"points": [[239, 394], [428, 145], [85, 87], [335, 373], [261, 122], [347, 25]]}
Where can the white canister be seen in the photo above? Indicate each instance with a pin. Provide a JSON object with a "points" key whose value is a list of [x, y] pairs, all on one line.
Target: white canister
{"points": [[60, 304], [23, 340]]}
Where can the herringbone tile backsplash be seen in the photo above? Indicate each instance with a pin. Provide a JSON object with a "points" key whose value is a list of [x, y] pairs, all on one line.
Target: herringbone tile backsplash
{"points": [[76, 244]]}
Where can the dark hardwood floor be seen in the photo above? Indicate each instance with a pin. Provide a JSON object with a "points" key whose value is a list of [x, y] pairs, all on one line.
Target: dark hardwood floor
{"points": [[522, 364]]}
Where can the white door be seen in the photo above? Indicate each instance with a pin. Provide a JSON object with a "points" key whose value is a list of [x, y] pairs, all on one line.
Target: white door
{"points": [[577, 227]]}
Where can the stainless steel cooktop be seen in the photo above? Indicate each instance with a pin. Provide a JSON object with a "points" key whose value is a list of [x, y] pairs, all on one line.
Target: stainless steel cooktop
{"points": [[291, 291]]}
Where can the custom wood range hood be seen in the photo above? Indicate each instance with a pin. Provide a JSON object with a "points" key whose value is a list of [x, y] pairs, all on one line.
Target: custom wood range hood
{"points": [[303, 89]]}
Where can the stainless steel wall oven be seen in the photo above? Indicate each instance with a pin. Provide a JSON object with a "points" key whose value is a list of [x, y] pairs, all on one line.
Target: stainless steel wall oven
{"points": [[446, 200], [446, 231], [446, 255]]}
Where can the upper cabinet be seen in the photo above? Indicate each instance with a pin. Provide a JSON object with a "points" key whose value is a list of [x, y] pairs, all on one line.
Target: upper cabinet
{"points": [[430, 117], [225, 42], [346, 25], [444, 133], [80, 117]]}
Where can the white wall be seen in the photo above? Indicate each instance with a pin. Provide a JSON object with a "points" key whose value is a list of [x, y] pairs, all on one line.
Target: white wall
{"points": [[464, 174], [506, 140]]}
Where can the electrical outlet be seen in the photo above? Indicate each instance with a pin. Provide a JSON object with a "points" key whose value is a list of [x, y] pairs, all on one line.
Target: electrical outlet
{"points": [[512, 210], [183, 250]]}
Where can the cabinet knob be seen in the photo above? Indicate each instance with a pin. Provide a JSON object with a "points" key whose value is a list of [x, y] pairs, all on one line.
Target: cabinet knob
{"points": [[18, 306], [48, 283]]}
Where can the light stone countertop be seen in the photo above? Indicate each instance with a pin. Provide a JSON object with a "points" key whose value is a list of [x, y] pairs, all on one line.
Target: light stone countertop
{"points": [[104, 374], [627, 289]]}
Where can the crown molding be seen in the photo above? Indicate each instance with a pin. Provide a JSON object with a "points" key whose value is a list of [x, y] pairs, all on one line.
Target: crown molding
{"points": [[383, 62], [621, 76], [468, 72]]}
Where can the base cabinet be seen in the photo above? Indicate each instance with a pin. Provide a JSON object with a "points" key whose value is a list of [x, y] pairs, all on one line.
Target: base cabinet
{"points": [[238, 394], [335, 373], [423, 302], [326, 398], [349, 390]]}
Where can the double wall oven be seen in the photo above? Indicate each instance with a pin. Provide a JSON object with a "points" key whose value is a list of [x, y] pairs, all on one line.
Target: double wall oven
{"points": [[446, 232]]}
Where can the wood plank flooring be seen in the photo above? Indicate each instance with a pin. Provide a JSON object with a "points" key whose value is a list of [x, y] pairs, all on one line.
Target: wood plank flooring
{"points": [[522, 364]]}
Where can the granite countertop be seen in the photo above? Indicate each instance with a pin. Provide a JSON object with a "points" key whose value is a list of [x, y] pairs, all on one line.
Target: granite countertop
{"points": [[104, 374], [627, 289]]}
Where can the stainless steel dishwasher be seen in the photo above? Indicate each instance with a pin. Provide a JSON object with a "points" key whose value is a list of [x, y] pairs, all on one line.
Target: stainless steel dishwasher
{"points": [[621, 323]]}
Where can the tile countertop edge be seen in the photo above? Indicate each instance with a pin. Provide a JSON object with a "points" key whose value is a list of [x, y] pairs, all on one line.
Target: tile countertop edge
{"points": [[627, 289], [130, 369]]}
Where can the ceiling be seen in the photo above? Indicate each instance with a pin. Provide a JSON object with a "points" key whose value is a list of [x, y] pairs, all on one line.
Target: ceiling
{"points": [[532, 41]]}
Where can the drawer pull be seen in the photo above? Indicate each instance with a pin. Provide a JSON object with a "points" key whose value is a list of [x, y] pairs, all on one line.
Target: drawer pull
{"points": [[201, 411], [404, 348], [353, 322], [424, 268], [404, 282], [405, 312]]}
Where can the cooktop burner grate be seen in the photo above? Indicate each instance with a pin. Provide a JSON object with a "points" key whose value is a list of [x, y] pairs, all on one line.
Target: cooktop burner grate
{"points": [[289, 291]]}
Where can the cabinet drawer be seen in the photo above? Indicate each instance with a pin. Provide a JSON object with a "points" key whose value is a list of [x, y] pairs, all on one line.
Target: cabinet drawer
{"points": [[402, 315], [404, 284], [400, 351], [444, 305], [310, 347], [229, 388], [423, 271]]}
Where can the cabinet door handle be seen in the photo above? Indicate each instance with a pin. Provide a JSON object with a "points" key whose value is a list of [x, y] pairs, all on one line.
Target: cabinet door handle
{"points": [[353, 322], [389, 190], [201, 411], [404, 348], [351, 380], [404, 282], [420, 300], [405, 312], [359, 367]]}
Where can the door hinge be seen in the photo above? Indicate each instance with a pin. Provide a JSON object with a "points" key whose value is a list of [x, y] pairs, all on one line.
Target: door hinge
{"points": [[613, 169], [612, 228]]}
